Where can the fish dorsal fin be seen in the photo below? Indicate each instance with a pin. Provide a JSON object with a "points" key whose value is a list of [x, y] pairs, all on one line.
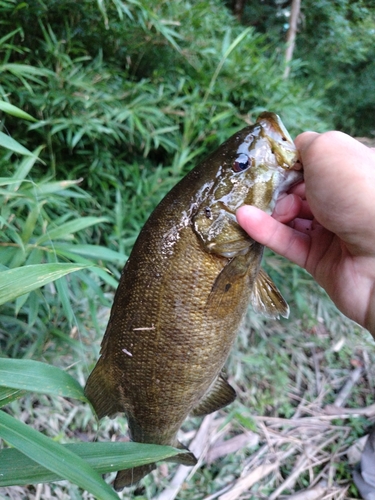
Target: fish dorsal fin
{"points": [[266, 298], [220, 394]]}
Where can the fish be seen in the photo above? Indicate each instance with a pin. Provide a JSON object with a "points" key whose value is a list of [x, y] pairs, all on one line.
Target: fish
{"points": [[184, 290]]}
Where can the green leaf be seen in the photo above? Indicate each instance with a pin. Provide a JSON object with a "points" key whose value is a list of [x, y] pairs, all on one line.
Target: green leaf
{"points": [[7, 395], [55, 187], [14, 111], [226, 54], [34, 376], [70, 227], [94, 252], [53, 456], [9, 143], [75, 257], [26, 70], [8, 181], [17, 468], [24, 168], [16, 282]]}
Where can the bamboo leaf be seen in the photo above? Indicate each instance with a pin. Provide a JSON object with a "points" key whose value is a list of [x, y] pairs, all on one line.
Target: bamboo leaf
{"points": [[55, 187], [26, 70], [7, 395], [227, 53], [25, 166], [55, 457], [8, 181], [94, 252], [34, 376], [9, 143], [14, 111], [75, 257], [16, 282], [70, 227], [18, 469]]}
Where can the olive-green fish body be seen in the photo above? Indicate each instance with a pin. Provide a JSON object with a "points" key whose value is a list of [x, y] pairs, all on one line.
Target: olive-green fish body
{"points": [[185, 288]]}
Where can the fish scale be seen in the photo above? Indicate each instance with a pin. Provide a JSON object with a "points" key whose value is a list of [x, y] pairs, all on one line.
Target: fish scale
{"points": [[185, 289]]}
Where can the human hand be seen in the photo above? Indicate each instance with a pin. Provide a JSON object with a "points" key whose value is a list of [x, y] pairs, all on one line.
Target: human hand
{"points": [[327, 223]]}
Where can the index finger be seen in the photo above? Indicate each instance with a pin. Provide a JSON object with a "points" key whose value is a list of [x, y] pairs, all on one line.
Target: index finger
{"points": [[282, 239]]}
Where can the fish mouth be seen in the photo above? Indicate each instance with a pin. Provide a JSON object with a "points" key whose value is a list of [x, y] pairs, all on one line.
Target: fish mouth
{"points": [[280, 141]]}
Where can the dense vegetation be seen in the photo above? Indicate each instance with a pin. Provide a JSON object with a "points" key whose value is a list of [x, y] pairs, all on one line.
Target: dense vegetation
{"points": [[123, 98], [335, 52]]}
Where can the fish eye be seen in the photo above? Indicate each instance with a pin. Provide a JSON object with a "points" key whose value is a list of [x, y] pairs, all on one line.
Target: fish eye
{"points": [[241, 163]]}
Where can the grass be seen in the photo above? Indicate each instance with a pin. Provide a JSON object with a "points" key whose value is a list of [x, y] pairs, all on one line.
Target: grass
{"points": [[288, 375]]}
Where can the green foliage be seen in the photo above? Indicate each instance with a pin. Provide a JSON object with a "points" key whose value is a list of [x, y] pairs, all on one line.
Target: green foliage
{"points": [[17, 468], [333, 57], [29, 375], [128, 92], [125, 97], [39, 244], [337, 44], [53, 456]]}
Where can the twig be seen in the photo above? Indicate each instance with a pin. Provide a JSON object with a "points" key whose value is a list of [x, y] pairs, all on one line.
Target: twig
{"points": [[291, 35], [244, 483], [299, 467], [223, 448], [350, 383], [334, 411], [317, 370], [367, 364], [319, 421], [310, 494]]}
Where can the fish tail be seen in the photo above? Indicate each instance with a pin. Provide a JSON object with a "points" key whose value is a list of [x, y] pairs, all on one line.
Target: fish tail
{"points": [[183, 458], [129, 477], [101, 393]]}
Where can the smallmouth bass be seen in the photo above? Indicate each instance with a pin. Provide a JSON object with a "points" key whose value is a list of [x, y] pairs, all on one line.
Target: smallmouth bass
{"points": [[185, 288]]}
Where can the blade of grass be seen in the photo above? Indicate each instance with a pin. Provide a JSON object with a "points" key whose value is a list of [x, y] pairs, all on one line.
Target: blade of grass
{"points": [[96, 252], [54, 457], [75, 257], [227, 53], [18, 469], [24, 168], [14, 111], [16, 282], [34, 376], [7, 395], [9, 143], [70, 227]]}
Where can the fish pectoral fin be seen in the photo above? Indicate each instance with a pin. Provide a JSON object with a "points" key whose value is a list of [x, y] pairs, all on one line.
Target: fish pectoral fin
{"points": [[130, 477], [266, 298], [102, 393], [235, 270], [220, 394]]}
